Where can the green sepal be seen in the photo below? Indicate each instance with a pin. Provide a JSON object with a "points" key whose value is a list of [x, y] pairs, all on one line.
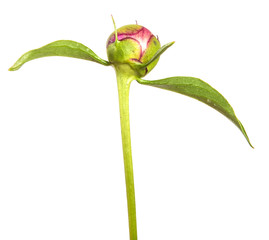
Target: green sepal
{"points": [[200, 90], [143, 68], [65, 48], [157, 54]]}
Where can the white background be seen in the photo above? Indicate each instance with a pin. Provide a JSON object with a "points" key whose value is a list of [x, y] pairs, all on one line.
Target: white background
{"points": [[61, 167]]}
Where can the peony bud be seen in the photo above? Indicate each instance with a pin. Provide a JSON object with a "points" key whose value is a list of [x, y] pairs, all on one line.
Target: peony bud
{"points": [[133, 45]]}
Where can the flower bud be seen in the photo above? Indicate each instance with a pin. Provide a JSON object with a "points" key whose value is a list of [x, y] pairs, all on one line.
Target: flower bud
{"points": [[133, 45]]}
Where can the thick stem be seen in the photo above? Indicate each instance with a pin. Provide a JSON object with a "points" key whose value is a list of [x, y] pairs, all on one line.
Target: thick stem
{"points": [[124, 82]]}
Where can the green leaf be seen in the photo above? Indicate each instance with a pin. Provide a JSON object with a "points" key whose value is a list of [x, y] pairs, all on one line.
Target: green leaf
{"points": [[200, 90], [65, 48]]}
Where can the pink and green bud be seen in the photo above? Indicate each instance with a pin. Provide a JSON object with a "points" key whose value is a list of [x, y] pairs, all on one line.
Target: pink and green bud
{"points": [[133, 45]]}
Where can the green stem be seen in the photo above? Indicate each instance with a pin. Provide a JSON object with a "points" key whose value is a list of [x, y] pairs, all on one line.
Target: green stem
{"points": [[124, 81]]}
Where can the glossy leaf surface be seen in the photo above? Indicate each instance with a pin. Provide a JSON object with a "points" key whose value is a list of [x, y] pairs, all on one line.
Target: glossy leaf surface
{"points": [[200, 90], [65, 48]]}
